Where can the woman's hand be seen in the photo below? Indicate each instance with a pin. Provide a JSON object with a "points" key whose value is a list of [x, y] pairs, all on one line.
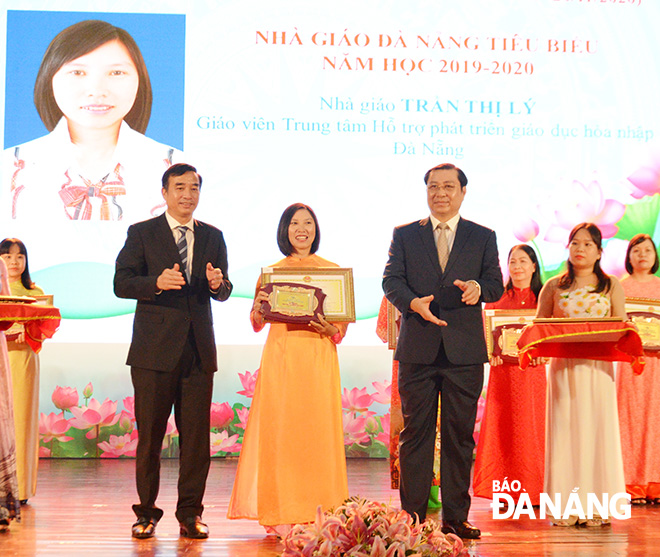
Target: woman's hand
{"points": [[540, 361], [257, 307], [495, 361], [259, 299], [324, 328]]}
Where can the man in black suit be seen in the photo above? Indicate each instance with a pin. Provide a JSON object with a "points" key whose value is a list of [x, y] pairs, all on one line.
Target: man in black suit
{"points": [[439, 270], [173, 265]]}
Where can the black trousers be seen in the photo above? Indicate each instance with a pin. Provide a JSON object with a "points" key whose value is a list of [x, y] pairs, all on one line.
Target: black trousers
{"points": [[459, 388], [189, 390]]}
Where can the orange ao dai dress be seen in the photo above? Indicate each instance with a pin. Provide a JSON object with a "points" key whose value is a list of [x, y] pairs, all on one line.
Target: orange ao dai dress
{"points": [[293, 457]]}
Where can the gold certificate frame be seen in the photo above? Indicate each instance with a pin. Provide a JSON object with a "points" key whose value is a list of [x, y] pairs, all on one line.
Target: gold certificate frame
{"points": [[335, 282], [292, 302], [645, 314], [393, 325], [503, 329]]}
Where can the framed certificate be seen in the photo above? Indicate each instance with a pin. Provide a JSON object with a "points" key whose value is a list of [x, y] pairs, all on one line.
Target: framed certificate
{"points": [[290, 302], [335, 282], [503, 329], [645, 314], [393, 325], [45, 300]]}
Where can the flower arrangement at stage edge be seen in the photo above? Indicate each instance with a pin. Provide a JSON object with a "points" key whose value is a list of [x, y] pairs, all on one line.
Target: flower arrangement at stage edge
{"points": [[364, 528]]}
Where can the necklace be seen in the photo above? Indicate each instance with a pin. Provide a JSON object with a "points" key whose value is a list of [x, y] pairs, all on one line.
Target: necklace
{"points": [[526, 299]]}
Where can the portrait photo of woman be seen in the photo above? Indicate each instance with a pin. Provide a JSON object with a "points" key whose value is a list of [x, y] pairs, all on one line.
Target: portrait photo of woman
{"points": [[94, 95]]}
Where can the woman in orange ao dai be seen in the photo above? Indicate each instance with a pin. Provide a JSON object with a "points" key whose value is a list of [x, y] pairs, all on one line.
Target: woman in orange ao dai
{"points": [[293, 457]]}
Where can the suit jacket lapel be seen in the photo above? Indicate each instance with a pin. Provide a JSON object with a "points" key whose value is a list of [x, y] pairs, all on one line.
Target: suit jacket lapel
{"points": [[460, 239], [199, 249], [428, 241], [165, 235]]}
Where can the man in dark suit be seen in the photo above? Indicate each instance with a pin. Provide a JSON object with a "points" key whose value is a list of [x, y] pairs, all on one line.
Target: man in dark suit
{"points": [[439, 270], [173, 265]]}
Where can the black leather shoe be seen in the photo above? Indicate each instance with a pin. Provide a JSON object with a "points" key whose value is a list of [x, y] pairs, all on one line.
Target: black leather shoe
{"points": [[194, 528], [462, 528], [145, 527]]}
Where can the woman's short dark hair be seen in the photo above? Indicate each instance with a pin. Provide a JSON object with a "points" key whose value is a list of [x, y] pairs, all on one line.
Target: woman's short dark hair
{"points": [[5, 246], [536, 283], [75, 41], [283, 229], [567, 279], [636, 240]]}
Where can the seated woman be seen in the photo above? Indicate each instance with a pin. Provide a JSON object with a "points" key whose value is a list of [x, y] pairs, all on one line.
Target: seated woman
{"points": [[512, 438], [9, 503], [583, 446], [293, 457], [24, 364]]}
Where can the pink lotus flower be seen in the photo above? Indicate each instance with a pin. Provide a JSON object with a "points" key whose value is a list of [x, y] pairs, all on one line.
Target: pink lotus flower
{"points": [[481, 408], [171, 426], [126, 421], [242, 414], [221, 415], [129, 404], [248, 380], [585, 204], [526, 229], [65, 397], [356, 400], [645, 181], [53, 426], [354, 429], [613, 260], [95, 415], [116, 446], [383, 392], [44, 452], [384, 436], [372, 425], [222, 442], [170, 433], [88, 391]]}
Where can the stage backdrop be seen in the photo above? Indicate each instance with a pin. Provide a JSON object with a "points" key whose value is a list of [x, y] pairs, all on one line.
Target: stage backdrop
{"points": [[550, 107]]}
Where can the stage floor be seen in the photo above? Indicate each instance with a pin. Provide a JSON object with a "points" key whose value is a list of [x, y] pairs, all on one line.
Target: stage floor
{"points": [[83, 507]]}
